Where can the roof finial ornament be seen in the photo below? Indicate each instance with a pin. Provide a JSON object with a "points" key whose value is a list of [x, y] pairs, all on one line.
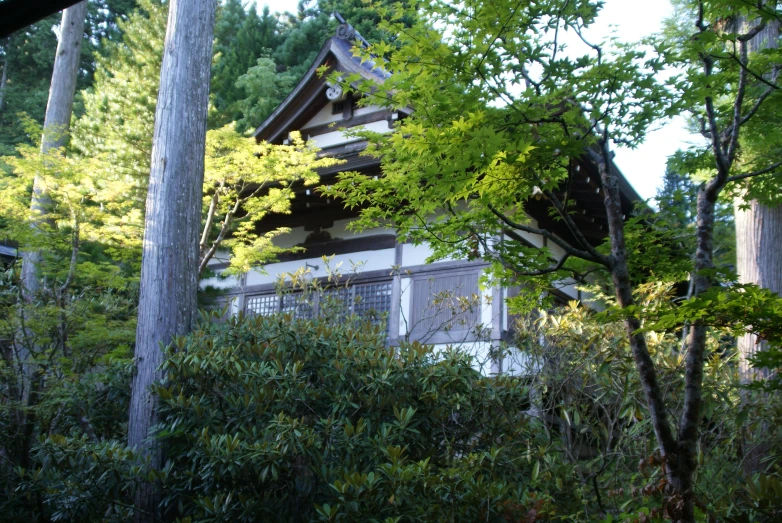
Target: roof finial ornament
{"points": [[333, 91], [346, 32]]}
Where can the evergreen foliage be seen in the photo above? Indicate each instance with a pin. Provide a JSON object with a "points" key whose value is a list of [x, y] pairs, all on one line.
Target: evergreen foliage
{"points": [[27, 58], [241, 39], [118, 122], [267, 87], [273, 419]]}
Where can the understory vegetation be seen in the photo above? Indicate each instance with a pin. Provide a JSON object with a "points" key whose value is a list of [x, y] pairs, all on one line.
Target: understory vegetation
{"points": [[268, 418], [658, 397]]}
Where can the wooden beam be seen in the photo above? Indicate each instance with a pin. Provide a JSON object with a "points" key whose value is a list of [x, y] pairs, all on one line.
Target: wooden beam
{"points": [[338, 246], [18, 14], [317, 130]]}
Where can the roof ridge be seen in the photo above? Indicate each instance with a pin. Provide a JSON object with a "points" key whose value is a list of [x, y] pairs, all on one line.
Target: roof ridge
{"points": [[345, 31]]}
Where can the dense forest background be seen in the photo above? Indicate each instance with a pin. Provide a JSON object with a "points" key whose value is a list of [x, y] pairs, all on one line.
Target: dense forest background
{"points": [[269, 419], [258, 57]]}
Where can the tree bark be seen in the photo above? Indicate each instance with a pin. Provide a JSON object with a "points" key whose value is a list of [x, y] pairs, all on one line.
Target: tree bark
{"points": [[4, 78], [679, 480], [758, 261], [758, 234], [55, 127], [169, 268]]}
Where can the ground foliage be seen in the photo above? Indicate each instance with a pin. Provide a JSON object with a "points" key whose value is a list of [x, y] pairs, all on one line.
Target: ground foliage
{"points": [[591, 399], [275, 419], [530, 119], [280, 420]]}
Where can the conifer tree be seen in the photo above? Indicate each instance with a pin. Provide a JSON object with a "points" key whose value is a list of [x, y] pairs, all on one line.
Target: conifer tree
{"points": [[266, 88], [241, 38], [169, 277], [118, 122], [27, 58]]}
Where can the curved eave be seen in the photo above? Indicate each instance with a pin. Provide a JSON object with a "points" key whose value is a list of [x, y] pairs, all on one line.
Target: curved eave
{"points": [[337, 55]]}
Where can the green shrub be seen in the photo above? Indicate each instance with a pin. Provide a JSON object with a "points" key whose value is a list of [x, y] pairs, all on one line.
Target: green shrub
{"points": [[272, 419]]}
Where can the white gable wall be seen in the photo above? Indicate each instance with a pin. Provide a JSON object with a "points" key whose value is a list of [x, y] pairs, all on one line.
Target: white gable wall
{"points": [[323, 117], [339, 137]]}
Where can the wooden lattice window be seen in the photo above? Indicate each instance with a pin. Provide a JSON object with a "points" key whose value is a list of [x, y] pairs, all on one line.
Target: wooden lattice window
{"points": [[447, 302], [369, 300], [263, 305], [298, 305]]}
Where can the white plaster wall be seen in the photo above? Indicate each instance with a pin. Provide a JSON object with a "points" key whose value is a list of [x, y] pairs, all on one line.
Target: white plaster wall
{"points": [[568, 287], [345, 264], [479, 350], [556, 251], [369, 109], [517, 363], [414, 254], [324, 116], [220, 257], [218, 282], [534, 239], [338, 137], [338, 230], [487, 313]]}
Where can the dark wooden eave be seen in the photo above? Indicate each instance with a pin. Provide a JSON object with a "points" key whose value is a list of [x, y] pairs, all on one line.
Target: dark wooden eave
{"points": [[18, 14], [308, 97]]}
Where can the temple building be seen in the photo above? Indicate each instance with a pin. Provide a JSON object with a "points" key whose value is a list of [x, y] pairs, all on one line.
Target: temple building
{"points": [[436, 303]]}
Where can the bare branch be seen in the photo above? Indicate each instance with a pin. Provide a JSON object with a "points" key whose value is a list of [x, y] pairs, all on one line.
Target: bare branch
{"points": [[224, 228], [569, 249], [210, 217], [766, 170], [573, 228], [737, 104]]}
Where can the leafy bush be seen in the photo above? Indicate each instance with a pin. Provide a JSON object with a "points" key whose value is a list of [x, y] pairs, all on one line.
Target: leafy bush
{"points": [[588, 392], [265, 418]]}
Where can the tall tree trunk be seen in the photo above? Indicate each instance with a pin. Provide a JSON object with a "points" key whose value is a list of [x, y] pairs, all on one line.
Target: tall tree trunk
{"points": [[169, 268], [4, 78], [758, 261], [679, 480], [758, 232], [56, 122]]}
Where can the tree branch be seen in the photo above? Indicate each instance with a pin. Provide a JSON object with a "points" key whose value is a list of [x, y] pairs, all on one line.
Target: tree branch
{"points": [[499, 257], [210, 217], [550, 236], [220, 237], [737, 104], [573, 228], [754, 75], [74, 255], [766, 170]]}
